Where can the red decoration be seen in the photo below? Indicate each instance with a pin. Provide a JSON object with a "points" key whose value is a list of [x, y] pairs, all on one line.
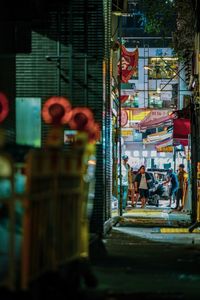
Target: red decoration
{"points": [[123, 98], [4, 107], [181, 130], [82, 118], [124, 117], [128, 64], [94, 132], [57, 110]]}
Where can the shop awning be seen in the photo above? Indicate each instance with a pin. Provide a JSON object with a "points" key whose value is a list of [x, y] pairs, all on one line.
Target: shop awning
{"points": [[157, 137], [157, 122], [181, 131]]}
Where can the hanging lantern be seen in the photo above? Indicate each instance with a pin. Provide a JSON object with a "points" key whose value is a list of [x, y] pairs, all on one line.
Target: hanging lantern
{"points": [[57, 110], [82, 118]]}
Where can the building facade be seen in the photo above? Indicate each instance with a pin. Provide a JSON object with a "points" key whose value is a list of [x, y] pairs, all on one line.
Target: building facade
{"points": [[63, 49]]}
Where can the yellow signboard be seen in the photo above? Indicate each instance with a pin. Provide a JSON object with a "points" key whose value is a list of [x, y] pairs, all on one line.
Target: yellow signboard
{"points": [[165, 149], [127, 132], [137, 114]]}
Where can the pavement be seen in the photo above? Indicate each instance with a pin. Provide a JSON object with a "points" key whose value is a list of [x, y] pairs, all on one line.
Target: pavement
{"points": [[153, 216], [140, 263], [147, 254], [127, 263]]}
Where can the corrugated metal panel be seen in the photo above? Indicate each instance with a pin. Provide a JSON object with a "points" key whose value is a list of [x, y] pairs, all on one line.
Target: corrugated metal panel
{"points": [[108, 115], [41, 73], [85, 43], [87, 39]]}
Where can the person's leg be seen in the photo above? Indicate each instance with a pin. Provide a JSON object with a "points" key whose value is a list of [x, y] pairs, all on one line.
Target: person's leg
{"points": [[146, 195], [124, 196], [182, 200], [142, 197], [170, 197], [132, 197], [143, 200], [178, 197], [174, 195], [136, 198]]}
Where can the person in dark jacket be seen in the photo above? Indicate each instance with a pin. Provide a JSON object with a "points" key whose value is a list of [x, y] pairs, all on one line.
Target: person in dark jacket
{"points": [[173, 180], [142, 185]]}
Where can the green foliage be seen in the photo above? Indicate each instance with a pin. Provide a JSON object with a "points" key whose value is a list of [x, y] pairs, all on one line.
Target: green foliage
{"points": [[183, 36], [160, 16]]}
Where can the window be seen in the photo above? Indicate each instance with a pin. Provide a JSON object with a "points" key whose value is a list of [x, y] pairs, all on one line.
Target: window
{"points": [[162, 68], [28, 121], [132, 101], [155, 101]]}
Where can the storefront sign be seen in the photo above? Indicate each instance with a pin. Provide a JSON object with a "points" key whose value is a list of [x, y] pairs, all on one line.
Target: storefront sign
{"points": [[128, 92], [165, 149], [133, 116], [141, 117], [127, 132]]}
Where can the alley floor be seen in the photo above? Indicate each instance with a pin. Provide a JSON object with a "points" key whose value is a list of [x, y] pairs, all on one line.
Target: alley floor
{"points": [[153, 216], [141, 263], [127, 263]]}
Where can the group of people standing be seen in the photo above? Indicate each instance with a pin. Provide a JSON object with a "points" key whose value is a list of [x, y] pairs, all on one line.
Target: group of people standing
{"points": [[138, 184], [178, 187]]}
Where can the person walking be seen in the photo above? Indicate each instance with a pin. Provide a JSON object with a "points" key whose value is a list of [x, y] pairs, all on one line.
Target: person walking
{"points": [[126, 180], [142, 185], [173, 180], [182, 186]]}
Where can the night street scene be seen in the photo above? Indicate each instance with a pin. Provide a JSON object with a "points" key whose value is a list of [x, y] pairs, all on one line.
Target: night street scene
{"points": [[99, 149]]}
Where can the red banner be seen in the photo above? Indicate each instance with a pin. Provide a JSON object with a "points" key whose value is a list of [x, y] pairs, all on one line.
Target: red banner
{"points": [[128, 64], [181, 131], [123, 98]]}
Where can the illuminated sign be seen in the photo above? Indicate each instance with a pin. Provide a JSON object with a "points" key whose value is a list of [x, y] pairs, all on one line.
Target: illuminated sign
{"points": [[127, 132], [165, 149]]}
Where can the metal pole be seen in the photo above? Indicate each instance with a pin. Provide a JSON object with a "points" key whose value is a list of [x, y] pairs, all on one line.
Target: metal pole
{"points": [[86, 79], [119, 129], [58, 55], [174, 158]]}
